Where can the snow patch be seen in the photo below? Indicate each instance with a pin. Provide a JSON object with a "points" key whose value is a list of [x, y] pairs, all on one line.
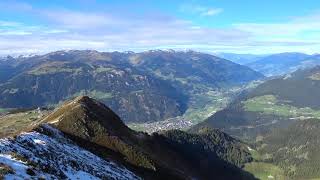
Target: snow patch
{"points": [[270, 177], [250, 149], [50, 155], [38, 141], [18, 167]]}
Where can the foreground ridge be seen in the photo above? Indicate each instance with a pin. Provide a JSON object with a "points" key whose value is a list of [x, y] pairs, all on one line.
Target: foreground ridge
{"points": [[46, 153], [84, 133]]}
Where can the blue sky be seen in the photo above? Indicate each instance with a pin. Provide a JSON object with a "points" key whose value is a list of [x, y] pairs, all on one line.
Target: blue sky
{"points": [[239, 26]]}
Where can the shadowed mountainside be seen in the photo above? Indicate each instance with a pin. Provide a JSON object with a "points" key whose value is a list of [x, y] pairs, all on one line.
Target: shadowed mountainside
{"points": [[273, 104], [170, 154]]}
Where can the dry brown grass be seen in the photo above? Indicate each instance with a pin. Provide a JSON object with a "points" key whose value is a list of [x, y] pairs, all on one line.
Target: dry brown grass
{"points": [[13, 124]]}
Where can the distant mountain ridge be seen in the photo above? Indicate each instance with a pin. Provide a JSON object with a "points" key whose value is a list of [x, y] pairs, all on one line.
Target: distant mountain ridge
{"points": [[284, 63], [130, 83], [242, 59], [192, 69]]}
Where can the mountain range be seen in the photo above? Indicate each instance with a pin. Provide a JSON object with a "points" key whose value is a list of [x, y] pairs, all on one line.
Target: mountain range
{"points": [[241, 58], [280, 64], [140, 87], [264, 128], [274, 64]]}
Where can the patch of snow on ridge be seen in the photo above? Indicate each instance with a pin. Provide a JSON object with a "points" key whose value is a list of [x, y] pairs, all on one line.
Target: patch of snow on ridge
{"points": [[288, 76], [17, 166], [48, 154]]}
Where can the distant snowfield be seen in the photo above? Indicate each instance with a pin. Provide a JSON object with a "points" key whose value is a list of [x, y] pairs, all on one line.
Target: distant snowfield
{"points": [[35, 155]]}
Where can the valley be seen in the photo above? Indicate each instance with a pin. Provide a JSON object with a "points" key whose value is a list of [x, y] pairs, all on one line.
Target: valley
{"points": [[200, 107], [159, 90], [177, 80], [155, 102], [256, 114]]}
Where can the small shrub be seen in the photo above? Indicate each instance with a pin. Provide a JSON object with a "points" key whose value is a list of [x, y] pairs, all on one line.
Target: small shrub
{"points": [[4, 170], [30, 171]]}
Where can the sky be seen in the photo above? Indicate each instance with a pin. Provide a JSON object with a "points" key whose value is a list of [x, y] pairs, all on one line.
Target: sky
{"points": [[235, 26]]}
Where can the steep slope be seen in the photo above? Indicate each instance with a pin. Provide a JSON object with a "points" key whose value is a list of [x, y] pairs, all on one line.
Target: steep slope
{"points": [[300, 88], [141, 87], [280, 64], [280, 118], [46, 153], [58, 76], [295, 149], [207, 143], [96, 128], [275, 103], [7, 68], [92, 121], [194, 71]]}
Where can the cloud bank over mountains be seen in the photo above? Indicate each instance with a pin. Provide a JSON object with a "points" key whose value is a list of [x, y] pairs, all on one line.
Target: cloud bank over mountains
{"points": [[58, 28]]}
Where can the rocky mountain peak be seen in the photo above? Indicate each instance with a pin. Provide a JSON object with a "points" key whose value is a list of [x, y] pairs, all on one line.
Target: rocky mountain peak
{"points": [[86, 118]]}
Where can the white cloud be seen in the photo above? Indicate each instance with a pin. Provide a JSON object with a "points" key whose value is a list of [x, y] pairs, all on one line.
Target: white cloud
{"points": [[9, 24], [14, 33], [212, 12], [200, 10], [55, 31], [73, 19], [66, 29], [131, 34], [294, 28]]}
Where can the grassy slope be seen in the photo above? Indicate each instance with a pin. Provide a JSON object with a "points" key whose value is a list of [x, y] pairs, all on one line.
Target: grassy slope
{"points": [[269, 104], [291, 161], [292, 97], [265, 171], [295, 149], [204, 105], [3, 110], [289, 104], [12, 124]]}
